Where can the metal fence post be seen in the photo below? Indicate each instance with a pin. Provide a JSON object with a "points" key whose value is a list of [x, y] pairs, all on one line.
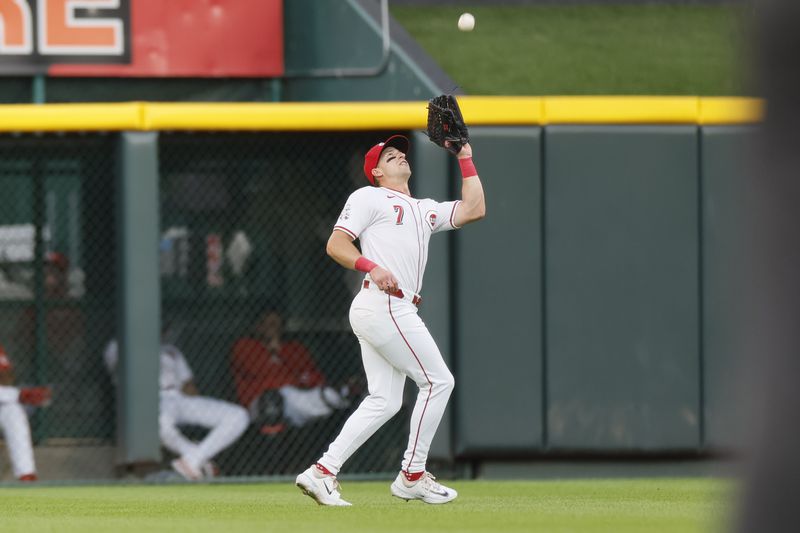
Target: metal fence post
{"points": [[140, 298]]}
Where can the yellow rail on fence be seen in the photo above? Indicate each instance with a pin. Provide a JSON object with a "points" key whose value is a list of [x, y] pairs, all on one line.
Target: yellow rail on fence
{"points": [[338, 116]]}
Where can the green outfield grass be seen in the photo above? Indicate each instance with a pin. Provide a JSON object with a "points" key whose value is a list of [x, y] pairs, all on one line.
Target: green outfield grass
{"points": [[612, 506], [589, 49]]}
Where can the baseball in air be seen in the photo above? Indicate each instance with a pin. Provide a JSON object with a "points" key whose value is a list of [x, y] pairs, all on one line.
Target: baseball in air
{"points": [[466, 22]]}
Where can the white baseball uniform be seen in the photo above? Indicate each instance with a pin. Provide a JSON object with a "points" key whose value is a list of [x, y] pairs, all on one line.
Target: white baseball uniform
{"points": [[16, 432], [227, 421], [394, 230]]}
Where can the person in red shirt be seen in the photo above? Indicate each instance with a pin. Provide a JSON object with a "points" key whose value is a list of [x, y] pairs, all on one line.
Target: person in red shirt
{"points": [[278, 381]]}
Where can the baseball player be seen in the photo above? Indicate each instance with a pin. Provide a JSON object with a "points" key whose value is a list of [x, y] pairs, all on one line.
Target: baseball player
{"points": [[14, 420], [180, 403], [394, 229]]}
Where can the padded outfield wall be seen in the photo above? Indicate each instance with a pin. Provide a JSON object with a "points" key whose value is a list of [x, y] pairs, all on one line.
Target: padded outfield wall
{"points": [[591, 312]]}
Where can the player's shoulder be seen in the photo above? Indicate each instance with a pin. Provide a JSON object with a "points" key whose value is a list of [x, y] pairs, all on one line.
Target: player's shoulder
{"points": [[365, 193], [427, 203], [171, 350]]}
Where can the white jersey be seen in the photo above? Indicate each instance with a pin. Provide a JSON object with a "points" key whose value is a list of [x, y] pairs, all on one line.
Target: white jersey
{"points": [[174, 370], [394, 230], [8, 394]]}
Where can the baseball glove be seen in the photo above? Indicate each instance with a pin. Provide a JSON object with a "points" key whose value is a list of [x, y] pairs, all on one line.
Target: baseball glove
{"points": [[445, 123]]}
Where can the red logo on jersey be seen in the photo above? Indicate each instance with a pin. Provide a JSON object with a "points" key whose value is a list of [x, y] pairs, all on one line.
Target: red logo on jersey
{"points": [[399, 210], [431, 218]]}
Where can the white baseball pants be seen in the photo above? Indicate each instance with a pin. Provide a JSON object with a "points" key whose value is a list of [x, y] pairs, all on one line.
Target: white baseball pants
{"points": [[394, 344], [225, 420], [16, 432]]}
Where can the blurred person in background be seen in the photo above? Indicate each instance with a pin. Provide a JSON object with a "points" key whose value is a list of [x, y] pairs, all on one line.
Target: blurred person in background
{"points": [[180, 404], [278, 381], [64, 327], [14, 419]]}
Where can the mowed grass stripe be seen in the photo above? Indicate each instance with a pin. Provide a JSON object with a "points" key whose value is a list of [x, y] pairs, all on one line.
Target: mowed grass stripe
{"points": [[619, 506], [587, 49]]}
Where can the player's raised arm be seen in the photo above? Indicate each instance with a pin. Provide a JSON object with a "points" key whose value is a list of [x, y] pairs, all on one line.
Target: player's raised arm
{"points": [[342, 250], [447, 129], [473, 204]]}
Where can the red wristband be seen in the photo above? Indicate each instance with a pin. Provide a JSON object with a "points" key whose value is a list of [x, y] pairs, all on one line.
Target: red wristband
{"points": [[467, 168], [364, 265]]}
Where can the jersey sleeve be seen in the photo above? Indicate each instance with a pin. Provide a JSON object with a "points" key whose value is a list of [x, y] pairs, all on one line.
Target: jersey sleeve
{"points": [[445, 216], [8, 394], [184, 373], [356, 215]]}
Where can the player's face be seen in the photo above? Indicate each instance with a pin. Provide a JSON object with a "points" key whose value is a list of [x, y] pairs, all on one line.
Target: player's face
{"points": [[271, 325], [7, 377], [393, 163], [55, 281]]}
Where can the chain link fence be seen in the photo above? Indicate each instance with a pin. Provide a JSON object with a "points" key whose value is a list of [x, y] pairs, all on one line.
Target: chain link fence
{"points": [[254, 314], [57, 294], [253, 302]]}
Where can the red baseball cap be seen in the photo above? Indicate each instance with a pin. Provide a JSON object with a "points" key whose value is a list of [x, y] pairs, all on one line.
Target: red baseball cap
{"points": [[58, 260], [374, 154]]}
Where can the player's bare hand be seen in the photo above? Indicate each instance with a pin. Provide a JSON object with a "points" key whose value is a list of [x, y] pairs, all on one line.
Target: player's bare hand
{"points": [[384, 279], [464, 153]]}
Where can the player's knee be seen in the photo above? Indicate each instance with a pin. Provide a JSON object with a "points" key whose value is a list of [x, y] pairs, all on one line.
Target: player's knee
{"points": [[449, 382], [444, 384], [239, 418], [386, 407], [441, 384], [166, 426], [393, 406], [165, 433]]}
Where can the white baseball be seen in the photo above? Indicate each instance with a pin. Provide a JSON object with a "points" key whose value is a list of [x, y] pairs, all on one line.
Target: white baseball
{"points": [[466, 22]]}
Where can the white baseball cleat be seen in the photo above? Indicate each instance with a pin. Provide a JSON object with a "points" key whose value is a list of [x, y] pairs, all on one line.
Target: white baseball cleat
{"points": [[425, 488], [324, 489], [186, 470]]}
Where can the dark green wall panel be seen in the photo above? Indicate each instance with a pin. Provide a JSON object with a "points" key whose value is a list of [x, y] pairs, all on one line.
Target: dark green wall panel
{"points": [[622, 287], [498, 300], [724, 171], [342, 34]]}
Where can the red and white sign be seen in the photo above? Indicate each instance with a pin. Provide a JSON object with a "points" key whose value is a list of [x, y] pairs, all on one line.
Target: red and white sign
{"points": [[142, 38], [35, 33]]}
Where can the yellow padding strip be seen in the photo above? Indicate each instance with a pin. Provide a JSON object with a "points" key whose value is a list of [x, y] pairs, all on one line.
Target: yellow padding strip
{"points": [[338, 116], [621, 110], [506, 110], [312, 116], [721, 110], [71, 117]]}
